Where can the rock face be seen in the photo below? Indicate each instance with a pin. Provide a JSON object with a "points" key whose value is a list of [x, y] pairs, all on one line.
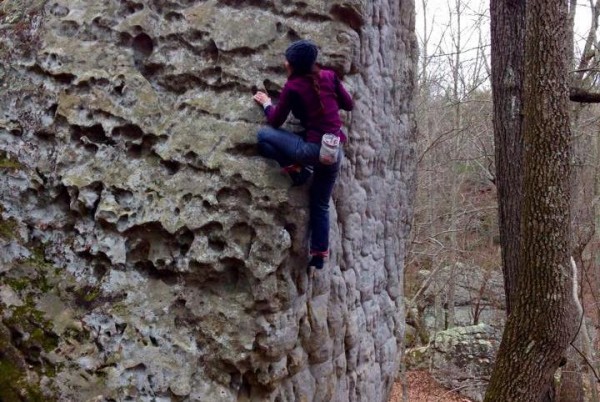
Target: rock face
{"points": [[478, 298], [462, 358], [148, 252]]}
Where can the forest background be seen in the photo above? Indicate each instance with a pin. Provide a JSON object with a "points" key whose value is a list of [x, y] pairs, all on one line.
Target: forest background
{"points": [[456, 220]]}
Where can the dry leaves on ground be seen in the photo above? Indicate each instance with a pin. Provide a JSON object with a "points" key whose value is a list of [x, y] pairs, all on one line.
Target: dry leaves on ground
{"points": [[423, 388]]}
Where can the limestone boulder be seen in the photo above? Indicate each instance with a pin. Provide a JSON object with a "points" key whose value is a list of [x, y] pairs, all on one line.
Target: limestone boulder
{"points": [[462, 358], [478, 297], [147, 252]]}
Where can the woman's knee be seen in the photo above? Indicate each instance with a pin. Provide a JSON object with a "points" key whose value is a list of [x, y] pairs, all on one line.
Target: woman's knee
{"points": [[263, 134]]}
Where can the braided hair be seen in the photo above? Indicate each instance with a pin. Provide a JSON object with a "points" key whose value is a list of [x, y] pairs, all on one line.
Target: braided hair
{"points": [[315, 76]]}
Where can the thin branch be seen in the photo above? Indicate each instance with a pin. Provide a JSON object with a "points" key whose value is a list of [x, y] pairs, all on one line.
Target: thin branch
{"points": [[585, 359], [583, 96], [583, 70]]}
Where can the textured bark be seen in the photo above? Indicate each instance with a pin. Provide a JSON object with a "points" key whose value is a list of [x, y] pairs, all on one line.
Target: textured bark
{"points": [[172, 257], [543, 318], [508, 32]]}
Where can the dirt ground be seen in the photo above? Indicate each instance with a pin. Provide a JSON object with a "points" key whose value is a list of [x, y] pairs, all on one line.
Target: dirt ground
{"points": [[423, 388]]}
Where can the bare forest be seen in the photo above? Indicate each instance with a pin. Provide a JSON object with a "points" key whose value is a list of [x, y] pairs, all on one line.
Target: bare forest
{"points": [[458, 275]]}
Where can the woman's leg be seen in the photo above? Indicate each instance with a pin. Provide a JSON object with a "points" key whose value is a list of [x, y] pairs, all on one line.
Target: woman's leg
{"points": [[277, 144], [286, 148], [290, 151], [320, 193]]}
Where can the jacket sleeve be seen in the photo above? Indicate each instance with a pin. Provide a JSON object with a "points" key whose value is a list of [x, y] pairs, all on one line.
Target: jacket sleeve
{"points": [[344, 99], [276, 115]]}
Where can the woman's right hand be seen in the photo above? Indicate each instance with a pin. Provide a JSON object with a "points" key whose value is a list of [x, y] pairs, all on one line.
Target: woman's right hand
{"points": [[262, 98]]}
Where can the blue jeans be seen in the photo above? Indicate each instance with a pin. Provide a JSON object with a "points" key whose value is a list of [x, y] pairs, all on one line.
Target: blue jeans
{"points": [[289, 148]]}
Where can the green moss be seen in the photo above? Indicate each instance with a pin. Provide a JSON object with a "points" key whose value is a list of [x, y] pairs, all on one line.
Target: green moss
{"points": [[43, 284], [6, 163], [87, 295], [9, 372], [9, 376], [33, 322], [119, 309], [8, 229], [92, 295], [18, 284], [9, 161], [33, 392], [14, 385], [21, 314], [40, 337], [38, 261], [78, 334], [423, 335], [409, 338], [38, 257]]}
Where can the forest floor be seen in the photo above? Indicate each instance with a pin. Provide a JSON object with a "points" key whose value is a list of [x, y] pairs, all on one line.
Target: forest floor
{"points": [[423, 388]]}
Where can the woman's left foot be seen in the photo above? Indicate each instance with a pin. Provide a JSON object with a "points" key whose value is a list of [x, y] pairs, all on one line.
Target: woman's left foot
{"points": [[317, 261], [301, 176]]}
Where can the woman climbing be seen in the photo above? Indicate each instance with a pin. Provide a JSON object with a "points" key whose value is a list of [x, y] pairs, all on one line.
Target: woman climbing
{"points": [[315, 97]]}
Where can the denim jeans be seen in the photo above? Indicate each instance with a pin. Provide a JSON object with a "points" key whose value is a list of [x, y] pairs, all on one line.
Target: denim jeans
{"points": [[289, 148]]}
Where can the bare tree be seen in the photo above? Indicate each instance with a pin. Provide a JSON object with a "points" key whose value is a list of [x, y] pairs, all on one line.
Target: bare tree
{"points": [[580, 357], [454, 148]]}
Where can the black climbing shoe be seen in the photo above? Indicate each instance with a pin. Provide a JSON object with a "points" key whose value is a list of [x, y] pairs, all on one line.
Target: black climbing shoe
{"points": [[317, 261], [301, 177]]}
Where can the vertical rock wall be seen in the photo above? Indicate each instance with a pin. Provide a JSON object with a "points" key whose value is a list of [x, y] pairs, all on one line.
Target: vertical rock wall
{"points": [[147, 252]]}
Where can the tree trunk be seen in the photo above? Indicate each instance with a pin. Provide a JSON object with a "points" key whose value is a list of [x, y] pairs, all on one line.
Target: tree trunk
{"points": [[582, 204], [508, 31], [456, 175], [543, 317]]}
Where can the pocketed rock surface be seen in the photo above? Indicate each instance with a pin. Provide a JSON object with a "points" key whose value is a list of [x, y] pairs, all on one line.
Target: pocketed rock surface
{"points": [[147, 252]]}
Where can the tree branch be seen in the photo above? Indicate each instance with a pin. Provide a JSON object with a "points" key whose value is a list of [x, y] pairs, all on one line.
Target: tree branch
{"points": [[581, 95]]}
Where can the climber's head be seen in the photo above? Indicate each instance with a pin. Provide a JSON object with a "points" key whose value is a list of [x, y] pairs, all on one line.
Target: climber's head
{"points": [[301, 56]]}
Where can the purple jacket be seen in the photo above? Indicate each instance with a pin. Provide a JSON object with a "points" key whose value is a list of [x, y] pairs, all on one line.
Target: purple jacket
{"points": [[299, 97]]}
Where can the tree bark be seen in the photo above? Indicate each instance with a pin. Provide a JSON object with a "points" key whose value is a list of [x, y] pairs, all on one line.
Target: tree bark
{"points": [[543, 317], [508, 31], [582, 198]]}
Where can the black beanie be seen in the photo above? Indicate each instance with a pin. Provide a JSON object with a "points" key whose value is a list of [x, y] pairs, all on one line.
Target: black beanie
{"points": [[302, 55]]}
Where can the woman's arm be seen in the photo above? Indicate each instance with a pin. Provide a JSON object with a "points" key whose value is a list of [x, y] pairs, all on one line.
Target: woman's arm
{"points": [[344, 98], [276, 115]]}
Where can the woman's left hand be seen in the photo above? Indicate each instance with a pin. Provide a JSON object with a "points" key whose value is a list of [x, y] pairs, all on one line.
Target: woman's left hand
{"points": [[262, 98]]}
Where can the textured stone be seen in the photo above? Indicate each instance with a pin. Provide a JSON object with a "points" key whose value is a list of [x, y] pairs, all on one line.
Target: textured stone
{"points": [[462, 358], [476, 291], [160, 257]]}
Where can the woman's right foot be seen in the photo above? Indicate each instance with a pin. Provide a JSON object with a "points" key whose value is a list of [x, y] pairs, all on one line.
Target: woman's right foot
{"points": [[317, 261], [300, 177]]}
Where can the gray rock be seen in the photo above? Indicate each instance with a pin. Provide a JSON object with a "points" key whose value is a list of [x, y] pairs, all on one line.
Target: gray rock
{"points": [[479, 294], [163, 258], [462, 358]]}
